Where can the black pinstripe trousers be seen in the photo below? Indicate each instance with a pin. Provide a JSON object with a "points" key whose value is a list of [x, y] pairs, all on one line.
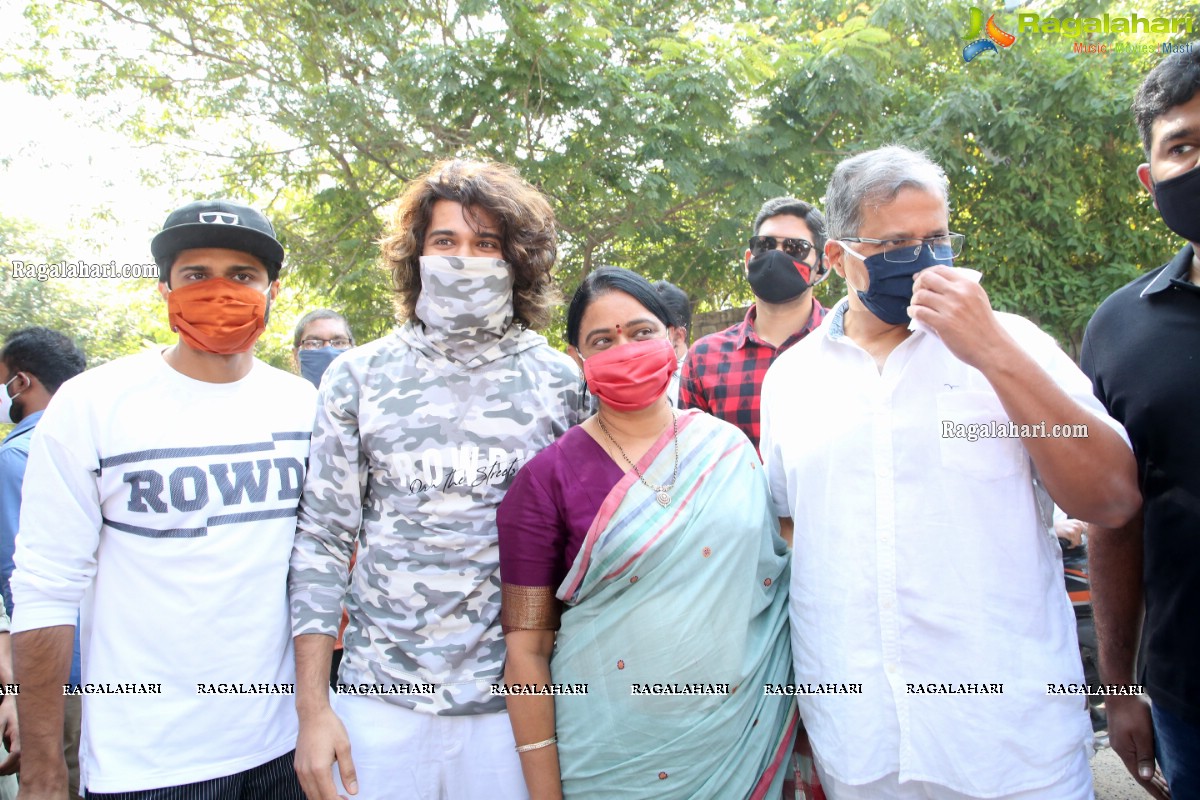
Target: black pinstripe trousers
{"points": [[274, 780]]}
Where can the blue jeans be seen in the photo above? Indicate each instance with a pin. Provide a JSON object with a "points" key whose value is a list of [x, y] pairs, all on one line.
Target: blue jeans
{"points": [[1177, 748]]}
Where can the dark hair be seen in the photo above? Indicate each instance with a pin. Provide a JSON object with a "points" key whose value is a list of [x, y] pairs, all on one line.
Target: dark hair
{"points": [[778, 206], [529, 240], [677, 302], [46, 354], [313, 316], [612, 279], [1172, 82]]}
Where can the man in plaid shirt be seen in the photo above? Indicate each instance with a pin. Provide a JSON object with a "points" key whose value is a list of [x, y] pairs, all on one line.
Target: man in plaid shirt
{"points": [[724, 371]]}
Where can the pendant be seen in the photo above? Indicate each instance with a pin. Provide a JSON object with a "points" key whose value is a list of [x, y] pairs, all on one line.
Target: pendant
{"points": [[663, 498]]}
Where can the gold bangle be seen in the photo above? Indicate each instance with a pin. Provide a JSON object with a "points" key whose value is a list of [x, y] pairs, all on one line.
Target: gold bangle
{"points": [[525, 748]]}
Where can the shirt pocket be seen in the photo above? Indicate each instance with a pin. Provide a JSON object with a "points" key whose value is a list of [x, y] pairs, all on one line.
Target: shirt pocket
{"points": [[994, 452]]}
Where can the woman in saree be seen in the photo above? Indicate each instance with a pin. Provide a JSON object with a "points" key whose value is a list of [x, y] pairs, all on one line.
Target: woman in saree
{"points": [[639, 558]]}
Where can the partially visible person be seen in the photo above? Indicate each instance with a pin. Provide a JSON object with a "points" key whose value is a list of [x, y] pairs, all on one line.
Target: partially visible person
{"points": [[1072, 537], [627, 567], [1140, 352], [10, 736], [417, 438], [161, 496], [679, 331], [321, 336], [33, 364], [1072, 533], [923, 569], [724, 371]]}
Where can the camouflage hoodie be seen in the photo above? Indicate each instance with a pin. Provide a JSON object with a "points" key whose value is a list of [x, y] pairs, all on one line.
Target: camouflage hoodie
{"points": [[413, 448]]}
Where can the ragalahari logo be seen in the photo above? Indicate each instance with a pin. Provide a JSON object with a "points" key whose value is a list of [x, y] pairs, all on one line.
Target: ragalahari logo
{"points": [[992, 36]]}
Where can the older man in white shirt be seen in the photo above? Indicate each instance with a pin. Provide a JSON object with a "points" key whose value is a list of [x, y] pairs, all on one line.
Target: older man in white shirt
{"points": [[924, 576]]}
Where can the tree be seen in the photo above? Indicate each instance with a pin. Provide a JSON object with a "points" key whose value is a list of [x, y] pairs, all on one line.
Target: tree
{"points": [[1037, 141], [658, 128], [631, 126], [106, 318]]}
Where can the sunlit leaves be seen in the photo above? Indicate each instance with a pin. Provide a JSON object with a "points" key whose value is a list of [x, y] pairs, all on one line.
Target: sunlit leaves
{"points": [[657, 128]]}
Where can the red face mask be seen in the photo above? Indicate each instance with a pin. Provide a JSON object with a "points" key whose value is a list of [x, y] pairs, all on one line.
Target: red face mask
{"points": [[631, 376], [218, 315]]}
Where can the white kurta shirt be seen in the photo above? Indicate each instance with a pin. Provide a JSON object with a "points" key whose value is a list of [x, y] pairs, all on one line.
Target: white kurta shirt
{"points": [[923, 567]]}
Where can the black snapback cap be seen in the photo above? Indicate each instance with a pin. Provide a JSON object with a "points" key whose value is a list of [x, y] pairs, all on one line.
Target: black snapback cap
{"points": [[216, 223]]}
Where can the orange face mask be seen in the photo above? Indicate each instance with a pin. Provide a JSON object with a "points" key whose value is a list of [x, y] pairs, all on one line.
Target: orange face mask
{"points": [[218, 315]]}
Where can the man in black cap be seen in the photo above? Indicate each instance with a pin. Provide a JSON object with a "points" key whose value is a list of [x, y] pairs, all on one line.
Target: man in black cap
{"points": [[160, 502]]}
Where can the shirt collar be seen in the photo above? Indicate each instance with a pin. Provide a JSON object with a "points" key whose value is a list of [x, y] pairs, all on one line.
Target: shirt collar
{"points": [[836, 329], [746, 330], [747, 334], [24, 425], [837, 320], [1177, 270]]}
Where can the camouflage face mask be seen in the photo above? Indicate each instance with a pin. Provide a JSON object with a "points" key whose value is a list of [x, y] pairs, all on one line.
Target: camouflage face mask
{"points": [[465, 298]]}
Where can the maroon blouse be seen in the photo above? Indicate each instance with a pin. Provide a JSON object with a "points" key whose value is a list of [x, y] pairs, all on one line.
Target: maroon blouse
{"points": [[547, 511]]}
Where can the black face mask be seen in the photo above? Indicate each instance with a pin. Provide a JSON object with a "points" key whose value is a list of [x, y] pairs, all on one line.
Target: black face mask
{"points": [[776, 277], [1178, 201]]}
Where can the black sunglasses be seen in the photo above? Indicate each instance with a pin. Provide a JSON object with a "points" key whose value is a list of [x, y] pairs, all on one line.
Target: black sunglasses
{"points": [[796, 248]]}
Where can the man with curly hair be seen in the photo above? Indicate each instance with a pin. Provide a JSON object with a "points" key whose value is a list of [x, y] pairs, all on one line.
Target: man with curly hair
{"points": [[417, 438]]}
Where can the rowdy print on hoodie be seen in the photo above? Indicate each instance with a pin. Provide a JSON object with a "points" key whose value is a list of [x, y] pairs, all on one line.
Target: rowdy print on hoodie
{"points": [[413, 448]]}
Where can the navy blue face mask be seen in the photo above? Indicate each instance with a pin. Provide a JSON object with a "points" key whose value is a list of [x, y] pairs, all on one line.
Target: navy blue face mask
{"points": [[890, 293], [313, 363]]}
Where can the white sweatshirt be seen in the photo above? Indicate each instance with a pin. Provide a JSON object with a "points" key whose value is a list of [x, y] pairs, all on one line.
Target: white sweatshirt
{"points": [[166, 508]]}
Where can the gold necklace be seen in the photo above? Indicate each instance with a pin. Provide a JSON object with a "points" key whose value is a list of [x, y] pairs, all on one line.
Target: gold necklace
{"points": [[661, 493]]}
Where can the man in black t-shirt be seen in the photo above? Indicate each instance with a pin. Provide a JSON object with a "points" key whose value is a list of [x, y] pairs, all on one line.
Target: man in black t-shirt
{"points": [[1142, 352]]}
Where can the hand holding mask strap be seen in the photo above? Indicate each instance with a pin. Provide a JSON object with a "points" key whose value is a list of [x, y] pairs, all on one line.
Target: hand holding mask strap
{"points": [[891, 289]]}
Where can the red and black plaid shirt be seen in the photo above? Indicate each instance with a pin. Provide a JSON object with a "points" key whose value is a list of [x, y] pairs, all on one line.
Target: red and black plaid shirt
{"points": [[724, 371]]}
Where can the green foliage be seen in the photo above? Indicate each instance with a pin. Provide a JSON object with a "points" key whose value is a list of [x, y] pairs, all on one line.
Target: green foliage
{"points": [[658, 128], [1038, 143], [107, 319]]}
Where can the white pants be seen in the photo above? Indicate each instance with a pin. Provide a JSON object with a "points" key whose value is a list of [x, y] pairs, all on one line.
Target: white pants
{"points": [[1076, 784], [399, 753]]}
